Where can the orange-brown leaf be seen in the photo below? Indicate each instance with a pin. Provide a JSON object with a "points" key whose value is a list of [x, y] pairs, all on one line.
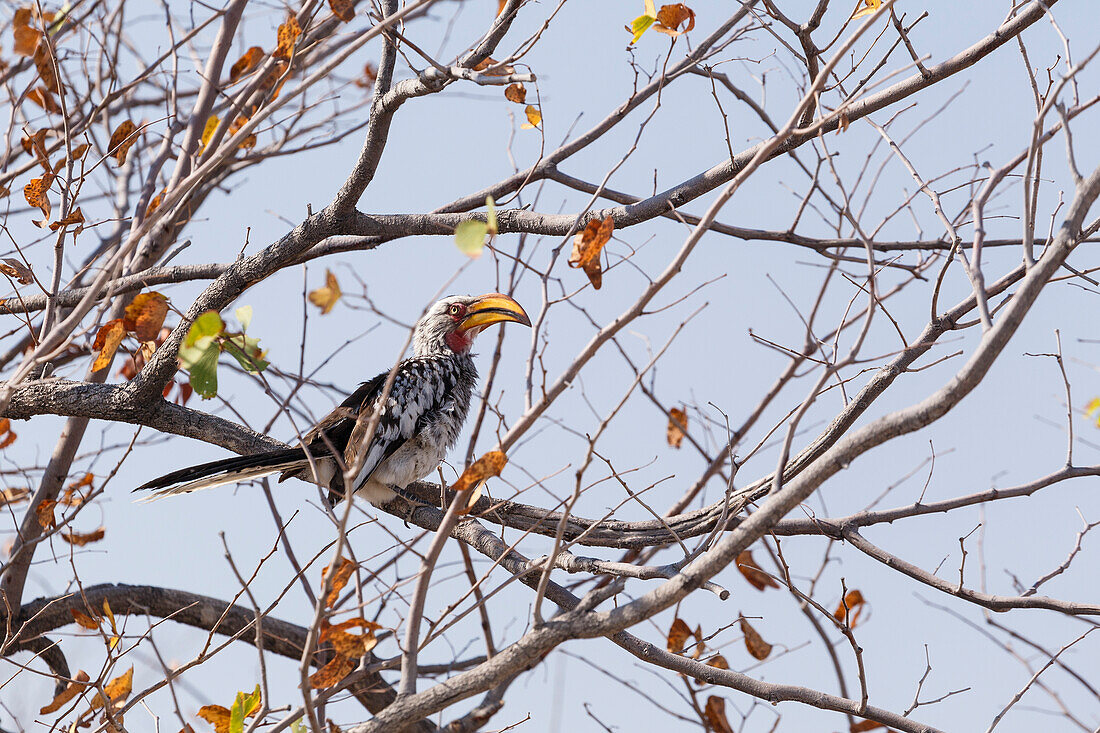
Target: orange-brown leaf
{"points": [[587, 246], [73, 689], [121, 140], [217, 716], [865, 725], [326, 297], [26, 36], [44, 62], [251, 59], [678, 634], [349, 645], [288, 35], [7, 435], [752, 572], [516, 93], [82, 538], [75, 217], [851, 608], [44, 513], [117, 690], [84, 620], [489, 465], [145, 315], [154, 204], [339, 580], [14, 495], [37, 193], [342, 9], [273, 79], [755, 643], [106, 342], [715, 713], [337, 669], [677, 426], [671, 17], [370, 73], [718, 662], [18, 270], [42, 97]]}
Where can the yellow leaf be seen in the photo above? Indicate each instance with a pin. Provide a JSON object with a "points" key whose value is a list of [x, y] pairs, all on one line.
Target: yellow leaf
{"points": [[1092, 406], [209, 130], [640, 25], [109, 614], [868, 7], [73, 689], [325, 298], [534, 118], [217, 716], [117, 690], [490, 464], [107, 342], [288, 36]]}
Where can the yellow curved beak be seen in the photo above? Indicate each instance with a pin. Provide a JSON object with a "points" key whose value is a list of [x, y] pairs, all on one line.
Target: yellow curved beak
{"points": [[493, 308]]}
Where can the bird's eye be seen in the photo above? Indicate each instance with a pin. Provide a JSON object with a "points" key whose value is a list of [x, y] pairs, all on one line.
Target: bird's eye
{"points": [[455, 309]]}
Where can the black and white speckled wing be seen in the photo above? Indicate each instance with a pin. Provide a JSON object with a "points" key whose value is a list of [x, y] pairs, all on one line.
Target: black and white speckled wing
{"points": [[428, 400]]}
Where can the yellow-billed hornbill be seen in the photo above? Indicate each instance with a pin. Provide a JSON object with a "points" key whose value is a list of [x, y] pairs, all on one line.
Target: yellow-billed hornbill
{"points": [[419, 422]]}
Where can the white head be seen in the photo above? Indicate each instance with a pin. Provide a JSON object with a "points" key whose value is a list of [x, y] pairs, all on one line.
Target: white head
{"points": [[452, 323]]}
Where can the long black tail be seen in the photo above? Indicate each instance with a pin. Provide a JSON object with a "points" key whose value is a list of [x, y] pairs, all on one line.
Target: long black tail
{"points": [[225, 471]]}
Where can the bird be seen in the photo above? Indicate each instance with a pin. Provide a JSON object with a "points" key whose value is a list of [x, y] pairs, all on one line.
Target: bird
{"points": [[418, 423]]}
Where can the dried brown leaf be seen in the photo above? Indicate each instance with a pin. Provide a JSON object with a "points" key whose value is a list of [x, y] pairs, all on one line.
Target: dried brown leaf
{"points": [[339, 580], [106, 343], [350, 645], [83, 538], [671, 17], [850, 608], [337, 669], [37, 193], [677, 426], [26, 36], [752, 572], [865, 725], [122, 139], [14, 495], [342, 9], [217, 716], [145, 315], [73, 689], [42, 97], [117, 690], [755, 643], [715, 714], [75, 217], [288, 36], [84, 620], [44, 62], [678, 634], [44, 513], [17, 269], [587, 246], [246, 63], [516, 93], [370, 74], [489, 465]]}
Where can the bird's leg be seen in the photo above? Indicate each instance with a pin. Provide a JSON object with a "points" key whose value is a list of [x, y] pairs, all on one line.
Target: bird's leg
{"points": [[407, 495]]}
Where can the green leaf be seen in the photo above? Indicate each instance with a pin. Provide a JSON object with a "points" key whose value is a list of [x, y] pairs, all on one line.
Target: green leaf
{"points": [[244, 315], [246, 350], [206, 326], [298, 726], [470, 237], [203, 365], [491, 215], [640, 25], [242, 706]]}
